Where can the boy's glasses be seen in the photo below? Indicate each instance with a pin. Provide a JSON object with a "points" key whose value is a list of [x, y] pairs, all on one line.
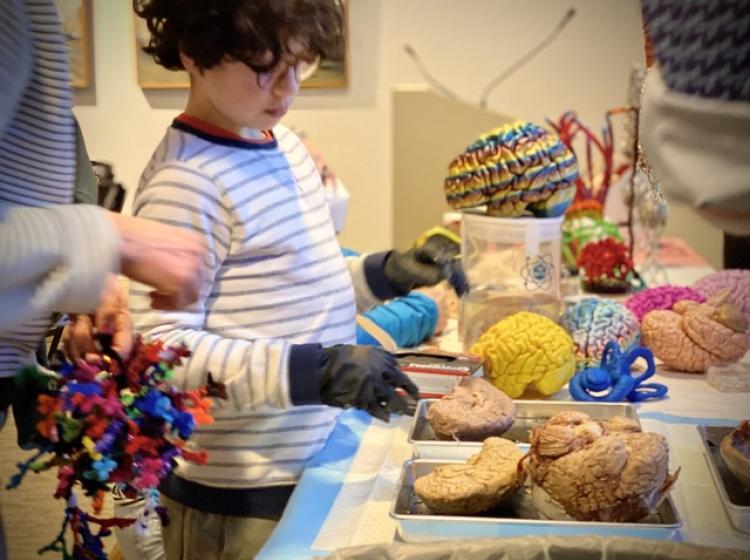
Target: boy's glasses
{"points": [[303, 69]]}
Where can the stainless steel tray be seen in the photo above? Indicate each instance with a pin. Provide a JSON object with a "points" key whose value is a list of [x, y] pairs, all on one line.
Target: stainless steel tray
{"points": [[529, 414], [734, 497], [518, 518]]}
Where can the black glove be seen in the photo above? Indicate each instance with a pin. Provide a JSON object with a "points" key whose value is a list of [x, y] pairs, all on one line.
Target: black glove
{"points": [[433, 259], [364, 377]]}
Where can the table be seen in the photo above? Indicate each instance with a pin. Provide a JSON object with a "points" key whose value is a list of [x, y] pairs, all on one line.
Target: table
{"points": [[344, 496]]}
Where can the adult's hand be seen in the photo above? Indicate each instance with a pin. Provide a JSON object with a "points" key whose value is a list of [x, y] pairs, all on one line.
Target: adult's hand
{"points": [[111, 317], [169, 259]]}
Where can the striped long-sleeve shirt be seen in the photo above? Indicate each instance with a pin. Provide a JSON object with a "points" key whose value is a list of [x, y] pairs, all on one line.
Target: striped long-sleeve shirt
{"points": [[277, 278], [53, 256]]}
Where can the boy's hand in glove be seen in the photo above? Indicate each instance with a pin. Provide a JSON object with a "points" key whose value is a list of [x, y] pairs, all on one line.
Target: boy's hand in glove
{"points": [[365, 377], [435, 257]]}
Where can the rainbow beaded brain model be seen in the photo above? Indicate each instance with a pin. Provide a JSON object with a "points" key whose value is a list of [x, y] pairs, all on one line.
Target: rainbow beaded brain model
{"points": [[519, 169], [593, 322], [526, 350]]}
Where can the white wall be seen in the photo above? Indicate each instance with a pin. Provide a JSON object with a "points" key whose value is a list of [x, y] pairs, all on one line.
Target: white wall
{"points": [[464, 43]]}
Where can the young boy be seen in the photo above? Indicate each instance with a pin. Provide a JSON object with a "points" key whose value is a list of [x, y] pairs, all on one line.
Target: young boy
{"points": [[276, 320]]}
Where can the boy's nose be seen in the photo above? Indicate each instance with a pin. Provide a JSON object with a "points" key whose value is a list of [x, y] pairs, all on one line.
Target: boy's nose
{"points": [[288, 83]]}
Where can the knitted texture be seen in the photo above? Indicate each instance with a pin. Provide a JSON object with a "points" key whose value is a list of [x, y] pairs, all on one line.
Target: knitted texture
{"points": [[593, 322], [660, 297]]}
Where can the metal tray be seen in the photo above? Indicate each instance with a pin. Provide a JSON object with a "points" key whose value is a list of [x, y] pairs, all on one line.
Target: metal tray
{"points": [[529, 414], [518, 518], [734, 497]]}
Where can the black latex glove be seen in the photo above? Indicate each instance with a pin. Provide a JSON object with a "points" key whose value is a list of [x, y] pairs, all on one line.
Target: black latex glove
{"points": [[427, 264], [364, 377]]}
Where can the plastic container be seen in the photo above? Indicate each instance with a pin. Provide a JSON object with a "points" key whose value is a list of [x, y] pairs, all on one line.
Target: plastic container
{"points": [[512, 264]]}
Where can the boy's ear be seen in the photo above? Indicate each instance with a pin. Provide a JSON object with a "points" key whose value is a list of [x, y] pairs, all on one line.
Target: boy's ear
{"points": [[188, 63]]}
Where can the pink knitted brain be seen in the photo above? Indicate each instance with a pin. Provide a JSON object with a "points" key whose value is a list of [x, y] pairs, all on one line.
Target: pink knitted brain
{"points": [[738, 281], [661, 297]]}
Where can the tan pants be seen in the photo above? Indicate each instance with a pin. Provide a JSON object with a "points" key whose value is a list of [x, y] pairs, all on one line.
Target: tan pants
{"points": [[197, 535]]}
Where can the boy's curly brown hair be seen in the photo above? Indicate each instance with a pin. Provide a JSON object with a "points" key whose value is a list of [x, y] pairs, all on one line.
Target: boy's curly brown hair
{"points": [[209, 31]]}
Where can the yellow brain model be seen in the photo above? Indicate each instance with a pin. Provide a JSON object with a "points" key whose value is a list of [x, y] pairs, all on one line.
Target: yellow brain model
{"points": [[526, 349]]}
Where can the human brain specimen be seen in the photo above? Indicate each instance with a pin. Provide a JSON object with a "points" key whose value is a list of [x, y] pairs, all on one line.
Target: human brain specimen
{"points": [[693, 336], [473, 411], [517, 169], [486, 480], [735, 450], [597, 470]]}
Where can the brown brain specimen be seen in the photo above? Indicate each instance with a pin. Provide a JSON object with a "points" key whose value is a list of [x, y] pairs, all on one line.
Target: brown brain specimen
{"points": [[596, 474], [473, 411], [487, 479], [663, 333], [735, 450], [693, 336]]}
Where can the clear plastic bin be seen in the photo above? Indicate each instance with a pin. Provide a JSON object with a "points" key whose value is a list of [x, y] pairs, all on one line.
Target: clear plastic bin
{"points": [[512, 264]]}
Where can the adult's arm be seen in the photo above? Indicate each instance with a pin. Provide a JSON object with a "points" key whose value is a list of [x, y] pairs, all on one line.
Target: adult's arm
{"points": [[53, 259], [16, 58]]}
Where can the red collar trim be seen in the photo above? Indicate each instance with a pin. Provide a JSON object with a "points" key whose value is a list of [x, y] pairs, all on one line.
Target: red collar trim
{"points": [[208, 128]]}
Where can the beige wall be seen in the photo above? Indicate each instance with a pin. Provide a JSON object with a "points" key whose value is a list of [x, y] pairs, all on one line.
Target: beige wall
{"points": [[464, 43]]}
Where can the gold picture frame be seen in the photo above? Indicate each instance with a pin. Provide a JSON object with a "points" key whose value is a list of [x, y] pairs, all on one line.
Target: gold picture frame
{"points": [[331, 73], [74, 17]]}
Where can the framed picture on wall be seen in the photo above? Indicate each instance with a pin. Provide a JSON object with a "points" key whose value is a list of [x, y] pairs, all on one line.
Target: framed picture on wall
{"points": [[329, 73], [150, 74], [74, 16]]}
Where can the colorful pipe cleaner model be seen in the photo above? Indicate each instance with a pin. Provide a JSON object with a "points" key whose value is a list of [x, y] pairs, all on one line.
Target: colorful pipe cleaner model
{"points": [[588, 208], [593, 182], [518, 169], [118, 423], [612, 381], [607, 266]]}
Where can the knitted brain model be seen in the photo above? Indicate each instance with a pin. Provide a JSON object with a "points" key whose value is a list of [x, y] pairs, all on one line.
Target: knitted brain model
{"points": [[660, 297], [593, 322], [737, 281], [526, 350], [693, 336], [518, 169]]}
